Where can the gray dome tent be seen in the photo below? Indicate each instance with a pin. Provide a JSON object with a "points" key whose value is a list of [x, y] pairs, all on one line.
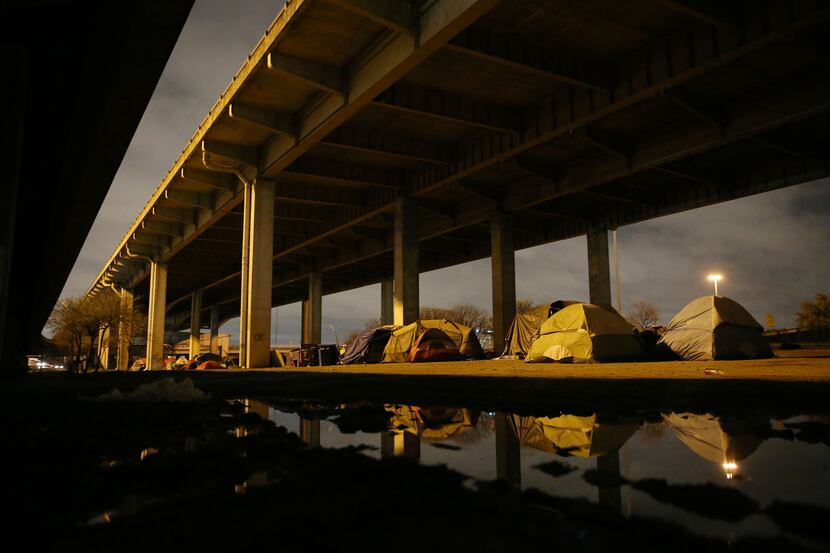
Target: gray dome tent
{"points": [[710, 328]]}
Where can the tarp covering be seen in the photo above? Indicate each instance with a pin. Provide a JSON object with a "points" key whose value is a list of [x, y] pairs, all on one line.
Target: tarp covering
{"points": [[525, 327], [401, 342], [584, 333], [713, 327], [573, 435], [706, 436], [431, 424], [368, 347]]}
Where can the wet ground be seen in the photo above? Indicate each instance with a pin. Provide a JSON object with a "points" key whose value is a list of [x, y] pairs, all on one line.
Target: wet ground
{"points": [[322, 462]]}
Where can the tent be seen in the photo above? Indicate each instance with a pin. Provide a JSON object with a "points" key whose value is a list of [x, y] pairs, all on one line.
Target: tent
{"points": [[202, 357], [368, 347], [713, 327], [525, 327], [584, 333], [714, 439], [434, 345], [401, 341], [573, 435], [431, 424]]}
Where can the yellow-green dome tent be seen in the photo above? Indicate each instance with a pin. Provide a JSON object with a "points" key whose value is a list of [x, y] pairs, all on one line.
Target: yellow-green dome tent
{"points": [[573, 435], [402, 340], [585, 333], [431, 424], [713, 327]]}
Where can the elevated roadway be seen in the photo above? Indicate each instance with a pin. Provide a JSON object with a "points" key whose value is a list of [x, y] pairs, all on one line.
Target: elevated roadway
{"points": [[365, 141]]}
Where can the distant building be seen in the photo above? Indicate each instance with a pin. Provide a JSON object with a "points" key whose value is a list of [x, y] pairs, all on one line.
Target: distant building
{"points": [[183, 347]]}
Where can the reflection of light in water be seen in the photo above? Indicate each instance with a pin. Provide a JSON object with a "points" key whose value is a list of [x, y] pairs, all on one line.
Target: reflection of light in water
{"points": [[730, 468], [147, 452]]}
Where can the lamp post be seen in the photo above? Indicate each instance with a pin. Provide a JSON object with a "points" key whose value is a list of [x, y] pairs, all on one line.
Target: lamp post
{"points": [[715, 278]]}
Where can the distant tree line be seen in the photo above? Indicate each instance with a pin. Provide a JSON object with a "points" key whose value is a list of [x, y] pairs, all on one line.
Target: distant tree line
{"points": [[814, 314]]}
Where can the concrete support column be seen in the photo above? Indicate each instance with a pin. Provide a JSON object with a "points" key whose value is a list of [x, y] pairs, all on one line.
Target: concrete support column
{"points": [[599, 268], [125, 331], [503, 264], [214, 330], [313, 310], [260, 274], [195, 324], [406, 262], [104, 349], [400, 444], [244, 275], [610, 496], [508, 454], [157, 299], [310, 431], [387, 302]]}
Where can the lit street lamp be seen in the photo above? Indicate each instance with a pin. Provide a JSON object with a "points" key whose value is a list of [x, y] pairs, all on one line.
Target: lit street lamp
{"points": [[715, 279]]}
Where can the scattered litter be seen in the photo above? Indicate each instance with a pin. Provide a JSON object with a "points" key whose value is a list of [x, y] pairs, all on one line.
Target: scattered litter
{"points": [[712, 371], [166, 389]]}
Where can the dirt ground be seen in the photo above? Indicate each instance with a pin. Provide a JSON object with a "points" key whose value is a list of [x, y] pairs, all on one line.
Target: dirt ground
{"points": [[790, 365]]}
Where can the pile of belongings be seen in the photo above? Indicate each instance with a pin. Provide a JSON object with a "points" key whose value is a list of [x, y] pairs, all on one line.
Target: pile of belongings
{"points": [[585, 333], [432, 340], [369, 346], [711, 328]]}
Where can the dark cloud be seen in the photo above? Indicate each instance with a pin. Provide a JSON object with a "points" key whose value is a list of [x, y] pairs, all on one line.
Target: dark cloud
{"points": [[771, 248]]}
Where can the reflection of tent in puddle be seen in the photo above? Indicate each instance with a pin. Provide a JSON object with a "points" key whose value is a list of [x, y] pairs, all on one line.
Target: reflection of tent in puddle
{"points": [[719, 441], [432, 423], [572, 435]]}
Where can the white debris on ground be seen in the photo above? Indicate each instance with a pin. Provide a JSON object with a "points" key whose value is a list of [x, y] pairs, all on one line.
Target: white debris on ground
{"points": [[166, 389]]}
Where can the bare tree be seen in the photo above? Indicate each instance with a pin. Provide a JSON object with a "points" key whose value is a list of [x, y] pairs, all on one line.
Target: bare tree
{"points": [[642, 314], [814, 314], [374, 322], [524, 305], [464, 313], [79, 321]]}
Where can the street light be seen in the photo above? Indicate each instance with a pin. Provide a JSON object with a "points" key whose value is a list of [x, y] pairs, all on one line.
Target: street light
{"points": [[715, 279]]}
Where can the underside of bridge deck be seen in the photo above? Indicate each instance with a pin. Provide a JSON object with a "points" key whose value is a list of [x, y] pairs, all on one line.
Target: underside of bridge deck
{"points": [[567, 117]]}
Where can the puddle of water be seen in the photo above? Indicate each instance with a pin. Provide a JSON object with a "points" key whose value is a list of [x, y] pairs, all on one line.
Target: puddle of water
{"points": [[724, 477]]}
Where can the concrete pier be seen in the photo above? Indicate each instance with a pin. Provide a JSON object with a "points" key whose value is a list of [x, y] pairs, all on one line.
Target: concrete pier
{"points": [[313, 310], [387, 301], [214, 330], [125, 331], [508, 452], [310, 431], [157, 299], [400, 444], [599, 267], [260, 274], [406, 262], [195, 324], [503, 264]]}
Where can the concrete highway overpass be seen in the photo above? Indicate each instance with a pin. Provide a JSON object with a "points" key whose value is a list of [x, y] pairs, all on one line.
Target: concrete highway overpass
{"points": [[77, 77], [365, 141]]}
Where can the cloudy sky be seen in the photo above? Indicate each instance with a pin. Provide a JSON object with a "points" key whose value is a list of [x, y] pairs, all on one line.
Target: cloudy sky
{"points": [[771, 248]]}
